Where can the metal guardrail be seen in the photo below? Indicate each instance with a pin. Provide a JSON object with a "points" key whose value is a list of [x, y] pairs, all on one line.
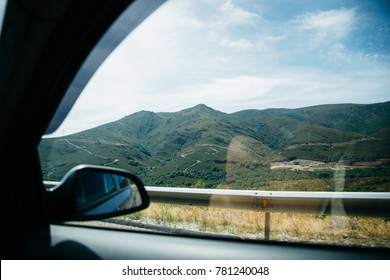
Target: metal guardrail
{"points": [[321, 203], [367, 204]]}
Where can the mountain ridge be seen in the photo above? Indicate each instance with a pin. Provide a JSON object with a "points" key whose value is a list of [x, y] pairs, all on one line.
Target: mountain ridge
{"points": [[201, 143]]}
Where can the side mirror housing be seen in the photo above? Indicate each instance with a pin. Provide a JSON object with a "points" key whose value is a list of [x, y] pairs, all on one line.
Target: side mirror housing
{"points": [[89, 192]]}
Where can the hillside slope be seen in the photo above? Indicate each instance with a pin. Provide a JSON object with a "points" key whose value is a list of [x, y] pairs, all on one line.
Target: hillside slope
{"points": [[202, 145]]}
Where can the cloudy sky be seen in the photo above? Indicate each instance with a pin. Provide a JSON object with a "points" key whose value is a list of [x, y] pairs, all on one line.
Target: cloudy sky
{"points": [[233, 55]]}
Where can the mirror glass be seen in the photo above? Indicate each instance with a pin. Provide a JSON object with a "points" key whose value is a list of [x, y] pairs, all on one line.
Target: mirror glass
{"points": [[102, 192]]}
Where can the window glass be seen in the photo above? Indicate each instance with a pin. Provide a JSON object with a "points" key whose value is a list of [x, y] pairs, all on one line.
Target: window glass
{"points": [[94, 186], [263, 96], [123, 182], [109, 183]]}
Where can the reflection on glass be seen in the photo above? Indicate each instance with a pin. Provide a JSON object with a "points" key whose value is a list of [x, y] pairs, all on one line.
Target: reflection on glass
{"points": [[101, 193]]}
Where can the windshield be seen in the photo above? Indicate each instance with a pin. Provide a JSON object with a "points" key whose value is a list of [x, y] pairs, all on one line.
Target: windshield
{"points": [[252, 119]]}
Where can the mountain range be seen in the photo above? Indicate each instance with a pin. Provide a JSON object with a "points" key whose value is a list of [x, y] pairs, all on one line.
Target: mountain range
{"points": [[203, 146]]}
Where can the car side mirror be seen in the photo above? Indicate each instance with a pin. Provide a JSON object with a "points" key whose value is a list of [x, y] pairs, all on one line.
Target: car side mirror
{"points": [[89, 192]]}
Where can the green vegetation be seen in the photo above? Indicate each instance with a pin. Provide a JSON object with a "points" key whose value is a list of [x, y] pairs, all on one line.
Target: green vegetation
{"points": [[252, 149]]}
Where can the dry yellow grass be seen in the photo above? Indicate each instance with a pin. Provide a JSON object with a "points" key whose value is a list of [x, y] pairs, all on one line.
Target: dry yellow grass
{"points": [[342, 230]]}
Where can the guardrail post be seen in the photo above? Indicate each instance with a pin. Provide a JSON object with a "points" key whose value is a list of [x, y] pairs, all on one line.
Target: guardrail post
{"points": [[267, 225]]}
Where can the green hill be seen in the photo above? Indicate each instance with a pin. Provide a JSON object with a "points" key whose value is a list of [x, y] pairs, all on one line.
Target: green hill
{"points": [[202, 145]]}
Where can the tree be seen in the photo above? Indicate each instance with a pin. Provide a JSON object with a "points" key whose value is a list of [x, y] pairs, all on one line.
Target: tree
{"points": [[200, 184]]}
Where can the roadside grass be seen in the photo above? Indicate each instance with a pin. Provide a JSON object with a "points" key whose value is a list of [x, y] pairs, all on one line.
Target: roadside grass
{"points": [[291, 227]]}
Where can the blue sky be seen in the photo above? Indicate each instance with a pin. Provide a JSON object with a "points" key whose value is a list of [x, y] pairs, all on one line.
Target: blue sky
{"points": [[236, 55]]}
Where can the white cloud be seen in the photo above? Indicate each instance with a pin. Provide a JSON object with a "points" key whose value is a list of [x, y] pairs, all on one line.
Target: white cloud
{"points": [[269, 43], [227, 91], [233, 14], [333, 25], [240, 44]]}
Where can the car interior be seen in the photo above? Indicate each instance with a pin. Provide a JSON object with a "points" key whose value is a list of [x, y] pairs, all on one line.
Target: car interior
{"points": [[43, 45]]}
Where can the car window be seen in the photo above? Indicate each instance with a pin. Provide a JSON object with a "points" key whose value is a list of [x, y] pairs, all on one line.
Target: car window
{"points": [[275, 113]]}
